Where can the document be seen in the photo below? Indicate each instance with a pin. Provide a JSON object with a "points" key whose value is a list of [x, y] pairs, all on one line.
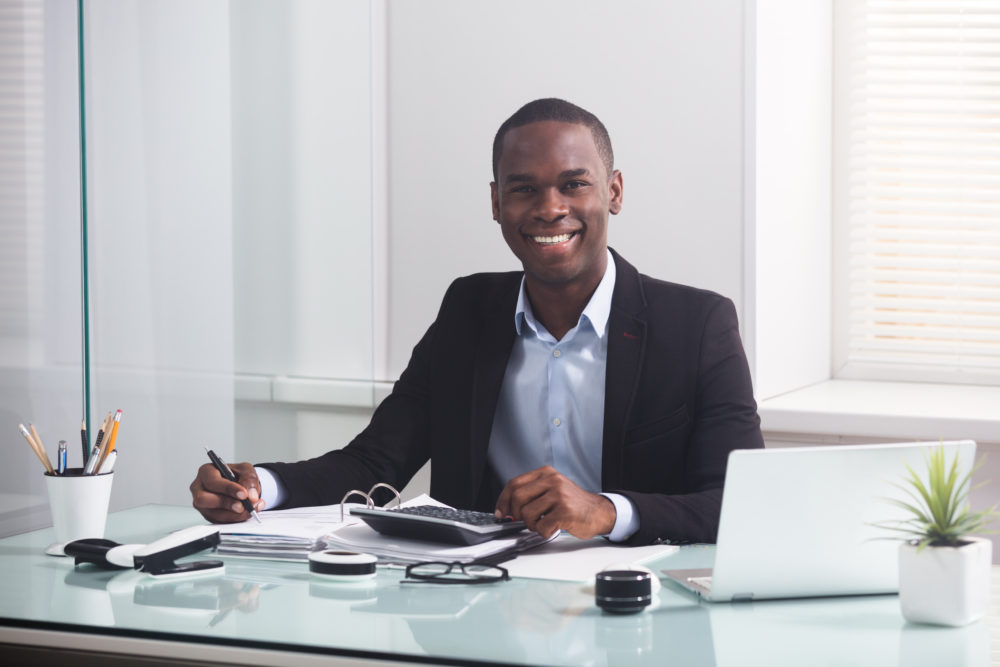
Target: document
{"points": [[293, 534], [290, 534], [570, 559], [401, 550]]}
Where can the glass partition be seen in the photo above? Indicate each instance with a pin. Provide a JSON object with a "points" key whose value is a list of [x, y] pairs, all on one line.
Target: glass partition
{"points": [[229, 231], [41, 368], [217, 284]]}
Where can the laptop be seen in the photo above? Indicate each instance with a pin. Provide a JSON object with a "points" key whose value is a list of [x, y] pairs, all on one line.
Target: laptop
{"points": [[797, 522]]}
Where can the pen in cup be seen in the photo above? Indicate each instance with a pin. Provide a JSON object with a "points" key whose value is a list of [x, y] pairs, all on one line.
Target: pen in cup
{"points": [[227, 473], [109, 462], [62, 457], [110, 447]]}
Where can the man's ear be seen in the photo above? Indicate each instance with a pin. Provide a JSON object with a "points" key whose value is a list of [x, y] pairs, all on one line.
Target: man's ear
{"points": [[616, 192], [495, 200]]}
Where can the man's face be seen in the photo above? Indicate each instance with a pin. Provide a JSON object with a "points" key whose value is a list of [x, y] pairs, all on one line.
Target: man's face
{"points": [[552, 198]]}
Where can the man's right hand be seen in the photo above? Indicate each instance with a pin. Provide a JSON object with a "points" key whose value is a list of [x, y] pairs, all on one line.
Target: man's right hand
{"points": [[218, 499]]}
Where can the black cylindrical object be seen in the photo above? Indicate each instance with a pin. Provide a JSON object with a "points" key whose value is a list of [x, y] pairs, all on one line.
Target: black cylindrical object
{"points": [[623, 591]]}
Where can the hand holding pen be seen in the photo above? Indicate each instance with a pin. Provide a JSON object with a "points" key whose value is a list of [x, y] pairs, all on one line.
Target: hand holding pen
{"points": [[229, 475]]}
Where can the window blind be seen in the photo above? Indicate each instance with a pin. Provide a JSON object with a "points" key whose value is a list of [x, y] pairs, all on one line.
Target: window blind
{"points": [[923, 190], [22, 163]]}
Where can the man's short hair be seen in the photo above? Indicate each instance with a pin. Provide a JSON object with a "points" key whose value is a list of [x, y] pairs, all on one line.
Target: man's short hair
{"points": [[551, 108]]}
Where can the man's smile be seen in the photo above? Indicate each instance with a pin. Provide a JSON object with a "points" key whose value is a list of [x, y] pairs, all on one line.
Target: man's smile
{"points": [[553, 240]]}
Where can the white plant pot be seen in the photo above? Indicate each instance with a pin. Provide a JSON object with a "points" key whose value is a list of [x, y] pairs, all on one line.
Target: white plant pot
{"points": [[945, 585]]}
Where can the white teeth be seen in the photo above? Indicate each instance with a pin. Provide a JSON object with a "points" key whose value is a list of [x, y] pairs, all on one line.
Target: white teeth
{"points": [[551, 239]]}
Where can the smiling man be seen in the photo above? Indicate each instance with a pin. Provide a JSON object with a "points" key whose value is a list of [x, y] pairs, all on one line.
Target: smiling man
{"points": [[577, 395]]}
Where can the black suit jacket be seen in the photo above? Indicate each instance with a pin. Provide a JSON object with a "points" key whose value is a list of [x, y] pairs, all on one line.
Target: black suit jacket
{"points": [[678, 399]]}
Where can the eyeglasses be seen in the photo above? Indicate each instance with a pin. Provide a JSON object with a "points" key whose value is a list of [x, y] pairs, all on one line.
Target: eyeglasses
{"points": [[454, 573]]}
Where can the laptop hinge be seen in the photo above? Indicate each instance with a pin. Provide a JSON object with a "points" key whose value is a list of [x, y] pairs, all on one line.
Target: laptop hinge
{"points": [[742, 597]]}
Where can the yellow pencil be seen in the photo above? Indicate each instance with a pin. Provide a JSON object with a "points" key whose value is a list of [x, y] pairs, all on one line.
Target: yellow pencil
{"points": [[35, 448]]}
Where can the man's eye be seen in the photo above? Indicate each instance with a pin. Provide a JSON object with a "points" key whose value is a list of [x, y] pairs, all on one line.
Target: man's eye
{"points": [[573, 185], [522, 188]]}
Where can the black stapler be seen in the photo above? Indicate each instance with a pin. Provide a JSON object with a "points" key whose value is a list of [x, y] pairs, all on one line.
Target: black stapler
{"points": [[157, 559]]}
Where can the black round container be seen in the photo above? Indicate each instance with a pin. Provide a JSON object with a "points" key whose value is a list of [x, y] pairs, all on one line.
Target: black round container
{"points": [[623, 591]]}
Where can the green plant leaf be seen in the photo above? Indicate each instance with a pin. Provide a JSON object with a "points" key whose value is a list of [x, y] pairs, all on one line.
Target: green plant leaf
{"points": [[939, 510]]}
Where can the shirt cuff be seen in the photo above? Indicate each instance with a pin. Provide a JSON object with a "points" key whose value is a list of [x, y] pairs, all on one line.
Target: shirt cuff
{"points": [[627, 521], [271, 490]]}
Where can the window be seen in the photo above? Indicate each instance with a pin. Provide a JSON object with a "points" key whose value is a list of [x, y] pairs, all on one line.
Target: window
{"points": [[917, 188]]}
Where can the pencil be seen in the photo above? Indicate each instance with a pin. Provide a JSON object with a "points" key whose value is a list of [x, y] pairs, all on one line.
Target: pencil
{"points": [[38, 452], [41, 446], [84, 442], [103, 431], [95, 455], [111, 441]]}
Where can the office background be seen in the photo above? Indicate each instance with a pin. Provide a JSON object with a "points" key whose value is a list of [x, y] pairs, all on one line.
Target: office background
{"points": [[278, 194]]}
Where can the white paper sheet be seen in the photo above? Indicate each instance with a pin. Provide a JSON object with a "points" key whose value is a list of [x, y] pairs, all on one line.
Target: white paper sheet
{"points": [[298, 522], [570, 559]]}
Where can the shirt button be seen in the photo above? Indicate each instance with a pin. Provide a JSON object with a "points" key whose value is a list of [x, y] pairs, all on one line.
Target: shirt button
{"points": [[556, 421], [557, 353]]}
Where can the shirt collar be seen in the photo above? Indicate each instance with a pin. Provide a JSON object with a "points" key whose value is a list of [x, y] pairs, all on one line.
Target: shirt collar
{"points": [[597, 311]]}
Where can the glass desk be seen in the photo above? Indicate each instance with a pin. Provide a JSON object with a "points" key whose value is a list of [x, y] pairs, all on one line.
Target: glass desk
{"points": [[265, 612]]}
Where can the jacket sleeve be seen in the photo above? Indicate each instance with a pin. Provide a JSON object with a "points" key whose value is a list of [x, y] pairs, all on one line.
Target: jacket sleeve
{"points": [[724, 418]]}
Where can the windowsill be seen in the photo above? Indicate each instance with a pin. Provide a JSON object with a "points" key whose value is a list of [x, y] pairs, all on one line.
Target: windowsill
{"points": [[328, 393], [890, 410]]}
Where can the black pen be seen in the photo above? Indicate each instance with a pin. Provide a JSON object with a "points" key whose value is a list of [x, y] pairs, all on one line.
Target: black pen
{"points": [[228, 473]]}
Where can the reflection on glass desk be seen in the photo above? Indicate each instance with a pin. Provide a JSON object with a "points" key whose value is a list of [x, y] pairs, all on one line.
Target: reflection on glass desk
{"points": [[275, 613]]}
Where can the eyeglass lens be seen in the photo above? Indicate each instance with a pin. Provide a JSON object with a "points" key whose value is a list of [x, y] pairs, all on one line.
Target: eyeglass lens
{"points": [[476, 571]]}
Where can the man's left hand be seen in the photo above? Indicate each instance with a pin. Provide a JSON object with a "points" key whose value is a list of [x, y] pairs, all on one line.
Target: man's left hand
{"points": [[547, 501]]}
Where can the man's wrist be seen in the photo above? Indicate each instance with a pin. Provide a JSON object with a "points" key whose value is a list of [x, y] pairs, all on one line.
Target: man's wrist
{"points": [[271, 490], [626, 519]]}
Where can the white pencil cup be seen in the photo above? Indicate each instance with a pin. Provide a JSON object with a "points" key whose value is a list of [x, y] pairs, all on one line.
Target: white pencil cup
{"points": [[79, 505]]}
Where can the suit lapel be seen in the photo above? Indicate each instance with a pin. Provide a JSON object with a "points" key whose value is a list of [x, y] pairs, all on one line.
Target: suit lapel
{"points": [[626, 349], [492, 353]]}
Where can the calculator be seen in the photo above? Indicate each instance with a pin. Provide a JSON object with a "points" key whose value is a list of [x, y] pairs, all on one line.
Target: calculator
{"points": [[432, 523]]}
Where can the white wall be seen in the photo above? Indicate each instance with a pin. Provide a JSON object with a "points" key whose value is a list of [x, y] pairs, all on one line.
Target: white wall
{"points": [[665, 78], [790, 321], [302, 194]]}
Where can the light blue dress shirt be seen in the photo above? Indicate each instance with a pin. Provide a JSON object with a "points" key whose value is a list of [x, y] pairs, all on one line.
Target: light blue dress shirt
{"points": [[551, 406]]}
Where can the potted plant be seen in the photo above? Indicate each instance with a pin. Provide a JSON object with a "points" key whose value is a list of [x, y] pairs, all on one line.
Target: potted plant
{"points": [[944, 572]]}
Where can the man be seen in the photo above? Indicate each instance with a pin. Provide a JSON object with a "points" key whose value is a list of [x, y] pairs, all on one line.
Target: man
{"points": [[578, 396]]}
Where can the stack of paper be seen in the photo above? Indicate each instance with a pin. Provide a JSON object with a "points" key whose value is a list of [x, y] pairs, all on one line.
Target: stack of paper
{"points": [[361, 537], [284, 534]]}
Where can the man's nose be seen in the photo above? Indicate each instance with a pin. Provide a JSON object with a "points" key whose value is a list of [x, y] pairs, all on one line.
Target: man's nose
{"points": [[551, 205]]}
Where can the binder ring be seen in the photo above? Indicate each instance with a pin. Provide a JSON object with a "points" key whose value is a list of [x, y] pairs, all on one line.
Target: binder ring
{"points": [[383, 485], [369, 503]]}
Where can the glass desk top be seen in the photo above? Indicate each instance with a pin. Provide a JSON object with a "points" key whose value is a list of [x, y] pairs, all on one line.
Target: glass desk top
{"points": [[280, 606]]}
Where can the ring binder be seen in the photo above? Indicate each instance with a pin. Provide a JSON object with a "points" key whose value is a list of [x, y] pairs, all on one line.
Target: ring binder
{"points": [[369, 503]]}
